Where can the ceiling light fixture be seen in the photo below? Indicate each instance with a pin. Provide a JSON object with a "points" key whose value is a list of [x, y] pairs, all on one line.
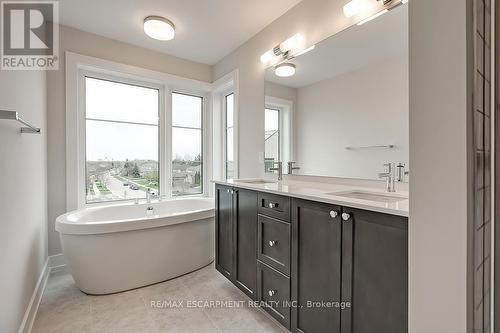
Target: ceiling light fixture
{"points": [[285, 50], [158, 27], [285, 69]]}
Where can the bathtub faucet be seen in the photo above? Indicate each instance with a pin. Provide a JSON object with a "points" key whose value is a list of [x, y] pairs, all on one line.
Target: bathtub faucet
{"points": [[150, 196]]}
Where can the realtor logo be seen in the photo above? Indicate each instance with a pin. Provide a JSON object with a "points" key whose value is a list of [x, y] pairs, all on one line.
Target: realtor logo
{"points": [[29, 35]]}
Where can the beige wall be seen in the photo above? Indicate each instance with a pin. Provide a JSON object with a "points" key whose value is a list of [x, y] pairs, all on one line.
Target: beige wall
{"points": [[438, 137], [348, 110], [279, 91], [23, 198], [439, 128], [105, 48]]}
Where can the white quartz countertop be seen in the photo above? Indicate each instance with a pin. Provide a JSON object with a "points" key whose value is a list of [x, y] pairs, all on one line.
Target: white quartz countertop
{"points": [[322, 192]]}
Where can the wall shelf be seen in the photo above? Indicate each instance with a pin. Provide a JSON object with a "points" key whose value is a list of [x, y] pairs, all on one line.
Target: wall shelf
{"points": [[14, 115], [371, 147]]}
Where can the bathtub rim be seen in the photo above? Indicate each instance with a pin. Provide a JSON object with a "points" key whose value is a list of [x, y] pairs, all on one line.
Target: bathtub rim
{"points": [[63, 227]]}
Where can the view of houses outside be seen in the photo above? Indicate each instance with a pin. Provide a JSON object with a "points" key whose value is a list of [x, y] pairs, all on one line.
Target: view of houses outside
{"points": [[115, 180], [122, 142], [119, 180]]}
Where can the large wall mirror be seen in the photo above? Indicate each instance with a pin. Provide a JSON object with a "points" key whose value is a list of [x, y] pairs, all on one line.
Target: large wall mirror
{"points": [[344, 113]]}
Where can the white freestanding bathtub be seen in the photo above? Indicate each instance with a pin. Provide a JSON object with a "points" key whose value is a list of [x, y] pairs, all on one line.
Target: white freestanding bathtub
{"points": [[115, 248]]}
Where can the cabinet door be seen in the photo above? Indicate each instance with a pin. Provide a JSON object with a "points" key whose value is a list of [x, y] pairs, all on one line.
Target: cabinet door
{"points": [[375, 272], [316, 264], [245, 241], [224, 230]]}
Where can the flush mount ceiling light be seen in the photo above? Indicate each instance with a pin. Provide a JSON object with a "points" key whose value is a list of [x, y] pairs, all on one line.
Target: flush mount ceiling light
{"points": [[285, 69], [158, 27], [286, 50]]}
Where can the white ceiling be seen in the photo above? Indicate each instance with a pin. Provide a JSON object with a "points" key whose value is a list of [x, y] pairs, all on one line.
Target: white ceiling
{"points": [[354, 48], [206, 30]]}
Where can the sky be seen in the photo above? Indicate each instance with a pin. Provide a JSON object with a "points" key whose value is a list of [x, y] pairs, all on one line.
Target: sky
{"points": [[106, 100]]}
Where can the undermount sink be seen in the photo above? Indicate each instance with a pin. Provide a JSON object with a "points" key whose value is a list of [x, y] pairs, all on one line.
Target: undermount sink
{"points": [[371, 196], [255, 181]]}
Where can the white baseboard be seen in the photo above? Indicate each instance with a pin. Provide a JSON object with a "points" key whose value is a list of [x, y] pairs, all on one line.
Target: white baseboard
{"points": [[57, 262], [52, 264], [30, 314]]}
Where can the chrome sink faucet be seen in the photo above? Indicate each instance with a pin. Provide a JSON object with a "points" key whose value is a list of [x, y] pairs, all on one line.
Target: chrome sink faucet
{"points": [[390, 177], [291, 167], [279, 168]]}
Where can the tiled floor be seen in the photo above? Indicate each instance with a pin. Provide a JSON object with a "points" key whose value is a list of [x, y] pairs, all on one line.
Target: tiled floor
{"points": [[66, 309]]}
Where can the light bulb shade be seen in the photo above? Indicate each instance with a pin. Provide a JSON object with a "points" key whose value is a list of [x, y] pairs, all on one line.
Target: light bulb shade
{"points": [[353, 7], [285, 69], [292, 43], [158, 27], [267, 57]]}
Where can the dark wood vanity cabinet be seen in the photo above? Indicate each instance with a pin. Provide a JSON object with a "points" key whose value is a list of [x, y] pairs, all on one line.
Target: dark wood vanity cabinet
{"points": [[316, 263], [374, 272], [317, 267], [236, 237], [355, 257], [224, 251]]}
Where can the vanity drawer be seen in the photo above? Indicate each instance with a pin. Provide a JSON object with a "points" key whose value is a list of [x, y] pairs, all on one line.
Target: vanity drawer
{"points": [[273, 246], [274, 205], [273, 290]]}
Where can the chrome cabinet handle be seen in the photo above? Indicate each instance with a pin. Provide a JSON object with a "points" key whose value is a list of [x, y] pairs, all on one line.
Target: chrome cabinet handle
{"points": [[272, 292], [272, 205], [334, 213], [272, 243], [346, 216]]}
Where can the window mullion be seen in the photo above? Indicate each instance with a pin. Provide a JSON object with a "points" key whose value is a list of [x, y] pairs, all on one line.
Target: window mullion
{"points": [[166, 166]]}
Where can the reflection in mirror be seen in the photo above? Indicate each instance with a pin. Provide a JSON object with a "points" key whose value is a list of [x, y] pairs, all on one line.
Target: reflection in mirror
{"points": [[344, 113]]}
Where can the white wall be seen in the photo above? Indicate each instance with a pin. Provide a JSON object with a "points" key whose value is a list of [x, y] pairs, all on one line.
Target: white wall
{"points": [[23, 198], [97, 46], [439, 128], [368, 106]]}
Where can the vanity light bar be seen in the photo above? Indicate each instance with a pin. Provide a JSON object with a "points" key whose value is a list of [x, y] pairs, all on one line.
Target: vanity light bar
{"points": [[284, 50], [373, 17], [357, 7]]}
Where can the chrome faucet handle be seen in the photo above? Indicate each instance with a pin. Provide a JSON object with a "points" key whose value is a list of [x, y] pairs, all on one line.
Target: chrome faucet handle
{"points": [[291, 167], [279, 168], [390, 176]]}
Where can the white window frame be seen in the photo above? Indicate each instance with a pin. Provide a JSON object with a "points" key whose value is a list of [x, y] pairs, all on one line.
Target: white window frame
{"points": [[204, 139], [162, 139], [76, 67], [224, 134], [286, 126], [222, 87], [280, 130]]}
